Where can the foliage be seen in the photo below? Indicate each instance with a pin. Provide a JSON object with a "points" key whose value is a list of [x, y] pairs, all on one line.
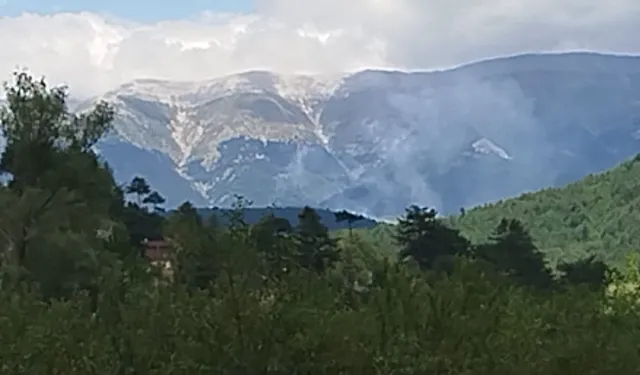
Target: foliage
{"points": [[425, 239], [596, 216], [511, 251], [591, 220], [316, 249]]}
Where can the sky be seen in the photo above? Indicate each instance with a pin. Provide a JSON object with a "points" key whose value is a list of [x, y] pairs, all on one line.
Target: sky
{"points": [[139, 10], [93, 46]]}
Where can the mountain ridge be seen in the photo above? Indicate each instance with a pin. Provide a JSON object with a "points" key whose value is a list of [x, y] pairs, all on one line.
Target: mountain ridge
{"points": [[376, 141]]}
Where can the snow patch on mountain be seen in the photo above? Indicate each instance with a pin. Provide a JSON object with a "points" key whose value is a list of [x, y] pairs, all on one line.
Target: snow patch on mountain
{"points": [[308, 86], [154, 89], [185, 135], [487, 147]]}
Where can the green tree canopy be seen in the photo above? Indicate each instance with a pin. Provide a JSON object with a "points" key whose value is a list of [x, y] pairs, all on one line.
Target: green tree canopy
{"points": [[513, 252], [425, 239], [317, 250]]}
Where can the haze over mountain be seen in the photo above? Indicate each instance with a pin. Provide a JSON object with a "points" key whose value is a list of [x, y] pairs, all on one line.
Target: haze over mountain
{"points": [[377, 141]]}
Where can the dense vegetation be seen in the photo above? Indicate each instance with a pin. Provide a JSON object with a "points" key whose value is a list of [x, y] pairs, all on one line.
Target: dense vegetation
{"points": [[593, 218], [596, 216], [78, 296]]}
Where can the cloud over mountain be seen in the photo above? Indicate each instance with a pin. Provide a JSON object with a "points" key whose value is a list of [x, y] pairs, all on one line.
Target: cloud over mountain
{"points": [[93, 53]]}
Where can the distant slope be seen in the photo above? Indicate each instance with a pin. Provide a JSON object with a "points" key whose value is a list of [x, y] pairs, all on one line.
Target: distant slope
{"points": [[253, 215], [597, 215]]}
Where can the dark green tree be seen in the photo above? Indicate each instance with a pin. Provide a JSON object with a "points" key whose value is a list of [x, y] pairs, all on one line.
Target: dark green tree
{"points": [[61, 210], [142, 224], [513, 253], [425, 239], [350, 218], [155, 200], [138, 187], [49, 148], [589, 271], [271, 237], [193, 244], [41, 134], [235, 217], [317, 250]]}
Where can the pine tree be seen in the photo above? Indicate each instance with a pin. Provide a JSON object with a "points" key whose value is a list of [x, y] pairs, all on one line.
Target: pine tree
{"points": [[271, 238], [588, 271], [140, 188], [425, 239], [512, 251], [350, 218], [193, 245], [317, 250], [155, 200]]}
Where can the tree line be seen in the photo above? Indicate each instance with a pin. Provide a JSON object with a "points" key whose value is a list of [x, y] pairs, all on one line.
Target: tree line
{"points": [[272, 297]]}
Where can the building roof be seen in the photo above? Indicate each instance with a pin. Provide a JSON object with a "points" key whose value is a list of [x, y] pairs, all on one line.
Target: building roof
{"points": [[155, 243], [156, 249]]}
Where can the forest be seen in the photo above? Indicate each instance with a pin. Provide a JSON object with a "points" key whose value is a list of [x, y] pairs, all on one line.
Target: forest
{"points": [[472, 294], [592, 218]]}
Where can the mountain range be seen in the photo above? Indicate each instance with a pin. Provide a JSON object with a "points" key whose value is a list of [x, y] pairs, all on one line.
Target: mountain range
{"points": [[377, 141]]}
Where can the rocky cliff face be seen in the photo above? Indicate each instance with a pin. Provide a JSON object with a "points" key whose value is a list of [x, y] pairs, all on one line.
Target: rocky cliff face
{"points": [[377, 141]]}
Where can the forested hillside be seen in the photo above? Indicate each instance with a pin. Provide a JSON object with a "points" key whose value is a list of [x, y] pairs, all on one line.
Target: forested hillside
{"points": [[598, 215], [82, 292], [594, 217]]}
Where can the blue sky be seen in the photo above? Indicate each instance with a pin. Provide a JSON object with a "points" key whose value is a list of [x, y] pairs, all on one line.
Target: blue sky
{"points": [[138, 10]]}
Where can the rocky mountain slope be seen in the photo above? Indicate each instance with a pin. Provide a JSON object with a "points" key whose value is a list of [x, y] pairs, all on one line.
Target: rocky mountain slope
{"points": [[377, 141]]}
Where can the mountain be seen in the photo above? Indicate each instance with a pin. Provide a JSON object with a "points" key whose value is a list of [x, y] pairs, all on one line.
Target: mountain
{"points": [[598, 215], [375, 142]]}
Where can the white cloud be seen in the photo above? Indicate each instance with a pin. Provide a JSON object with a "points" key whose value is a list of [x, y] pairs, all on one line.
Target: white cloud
{"points": [[93, 53]]}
